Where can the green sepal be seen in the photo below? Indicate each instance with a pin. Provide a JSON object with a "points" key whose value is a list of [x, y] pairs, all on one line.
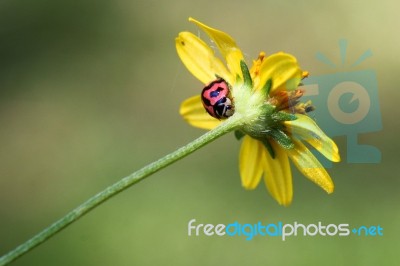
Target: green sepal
{"points": [[268, 109], [283, 116], [282, 139], [246, 74], [268, 147], [267, 87], [239, 134]]}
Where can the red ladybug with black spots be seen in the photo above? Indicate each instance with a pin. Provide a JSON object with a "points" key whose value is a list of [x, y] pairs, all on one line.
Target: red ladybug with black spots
{"points": [[216, 98]]}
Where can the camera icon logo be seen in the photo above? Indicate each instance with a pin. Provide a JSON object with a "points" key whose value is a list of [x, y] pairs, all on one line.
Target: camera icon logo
{"points": [[347, 105]]}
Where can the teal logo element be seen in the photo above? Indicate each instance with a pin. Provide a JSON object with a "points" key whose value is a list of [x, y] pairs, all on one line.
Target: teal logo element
{"points": [[347, 104]]}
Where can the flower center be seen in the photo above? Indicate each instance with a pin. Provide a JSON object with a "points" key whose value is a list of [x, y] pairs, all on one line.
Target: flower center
{"points": [[265, 112]]}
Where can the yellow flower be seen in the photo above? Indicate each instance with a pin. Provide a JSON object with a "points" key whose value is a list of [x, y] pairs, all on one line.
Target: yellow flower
{"points": [[275, 125]]}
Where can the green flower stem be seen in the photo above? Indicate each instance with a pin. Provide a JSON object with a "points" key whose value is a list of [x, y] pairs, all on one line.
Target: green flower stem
{"points": [[229, 125]]}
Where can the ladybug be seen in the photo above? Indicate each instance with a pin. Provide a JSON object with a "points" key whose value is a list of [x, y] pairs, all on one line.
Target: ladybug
{"points": [[216, 98]]}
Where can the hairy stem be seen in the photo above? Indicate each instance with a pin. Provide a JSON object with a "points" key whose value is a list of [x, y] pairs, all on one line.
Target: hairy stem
{"points": [[229, 125]]}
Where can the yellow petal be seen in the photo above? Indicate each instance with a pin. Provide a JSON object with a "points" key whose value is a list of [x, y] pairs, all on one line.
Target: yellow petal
{"points": [[282, 69], [306, 129], [200, 59], [194, 113], [309, 166], [226, 46], [278, 176], [251, 162], [255, 69]]}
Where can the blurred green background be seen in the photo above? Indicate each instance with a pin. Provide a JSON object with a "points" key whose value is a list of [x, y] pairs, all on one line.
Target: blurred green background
{"points": [[90, 91]]}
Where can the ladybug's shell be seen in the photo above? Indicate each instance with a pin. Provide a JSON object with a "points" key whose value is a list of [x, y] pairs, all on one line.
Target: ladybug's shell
{"points": [[216, 99]]}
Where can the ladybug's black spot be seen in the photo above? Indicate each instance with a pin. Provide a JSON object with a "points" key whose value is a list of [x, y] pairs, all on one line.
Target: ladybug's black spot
{"points": [[183, 43], [215, 93], [221, 101], [205, 101]]}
